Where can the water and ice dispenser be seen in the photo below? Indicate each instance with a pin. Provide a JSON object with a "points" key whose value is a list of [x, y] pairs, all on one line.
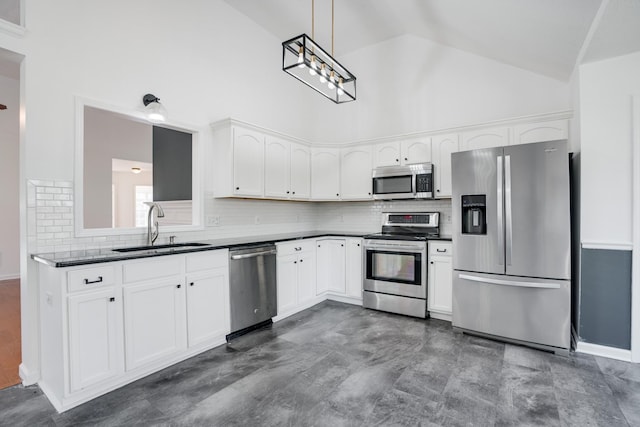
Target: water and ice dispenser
{"points": [[474, 214]]}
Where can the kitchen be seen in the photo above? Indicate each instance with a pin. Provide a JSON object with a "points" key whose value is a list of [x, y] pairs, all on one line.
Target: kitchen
{"points": [[462, 89]]}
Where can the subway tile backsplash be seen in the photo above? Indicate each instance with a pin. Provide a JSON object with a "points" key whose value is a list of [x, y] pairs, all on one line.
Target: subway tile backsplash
{"points": [[50, 218]]}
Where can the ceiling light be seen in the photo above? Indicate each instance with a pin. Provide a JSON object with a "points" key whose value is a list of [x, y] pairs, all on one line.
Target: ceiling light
{"points": [[298, 53], [156, 113], [136, 170]]}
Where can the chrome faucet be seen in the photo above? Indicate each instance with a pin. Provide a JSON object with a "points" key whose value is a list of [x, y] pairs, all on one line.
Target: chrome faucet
{"points": [[152, 234]]}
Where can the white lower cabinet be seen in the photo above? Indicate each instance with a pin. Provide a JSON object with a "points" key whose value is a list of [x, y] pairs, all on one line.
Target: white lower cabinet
{"points": [[296, 276], [154, 321], [439, 298], [340, 269], [94, 334], [106, 325]]}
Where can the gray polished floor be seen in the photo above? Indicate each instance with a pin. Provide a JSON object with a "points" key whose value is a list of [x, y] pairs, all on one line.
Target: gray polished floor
{"points": [[337, 364]]}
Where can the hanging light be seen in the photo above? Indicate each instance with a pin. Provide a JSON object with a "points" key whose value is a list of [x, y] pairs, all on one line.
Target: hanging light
{"points": [[156, 113], [335, 82]]}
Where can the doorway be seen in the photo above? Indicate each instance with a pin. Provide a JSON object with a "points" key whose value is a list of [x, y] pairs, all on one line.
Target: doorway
{"points": [[10, 320]]}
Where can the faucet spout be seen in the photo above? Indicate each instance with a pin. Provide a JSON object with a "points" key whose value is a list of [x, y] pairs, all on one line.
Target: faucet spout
{"points": [[152, 226]]}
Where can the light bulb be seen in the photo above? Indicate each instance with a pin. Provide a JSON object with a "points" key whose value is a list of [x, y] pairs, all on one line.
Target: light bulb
{"points": [[340, 87], [323, 74], [332, 79], [314, 66], [301, 57]]}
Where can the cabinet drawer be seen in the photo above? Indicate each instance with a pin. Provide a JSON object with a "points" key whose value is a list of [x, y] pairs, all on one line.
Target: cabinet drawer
{"points": [[207, 260], [90, 278], [160, 267], [440, 248], [295, 247]]}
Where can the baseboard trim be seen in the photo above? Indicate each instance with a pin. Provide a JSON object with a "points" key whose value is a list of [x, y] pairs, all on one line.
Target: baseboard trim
{"points": [[9, 276], [28, 377], [603, 351]]}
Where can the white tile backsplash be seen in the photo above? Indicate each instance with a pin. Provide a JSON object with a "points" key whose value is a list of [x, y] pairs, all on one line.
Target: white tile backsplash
{"points": [[50, 218]]}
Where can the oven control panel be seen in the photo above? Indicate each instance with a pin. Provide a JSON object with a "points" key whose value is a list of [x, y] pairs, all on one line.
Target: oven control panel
{"points": [[414, 219]]}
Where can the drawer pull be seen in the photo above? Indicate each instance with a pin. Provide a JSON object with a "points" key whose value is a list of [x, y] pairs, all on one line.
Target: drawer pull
{"points": [[89, 282], [441, 250], [112, 299], [191, 284], [178, 286]]}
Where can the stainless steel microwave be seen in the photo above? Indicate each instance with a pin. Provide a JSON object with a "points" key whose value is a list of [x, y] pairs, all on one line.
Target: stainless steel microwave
{"points": [[403, 182]]}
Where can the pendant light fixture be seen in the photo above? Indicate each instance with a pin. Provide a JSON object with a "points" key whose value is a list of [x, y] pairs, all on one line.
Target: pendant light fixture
{"points": [[305, 60]]}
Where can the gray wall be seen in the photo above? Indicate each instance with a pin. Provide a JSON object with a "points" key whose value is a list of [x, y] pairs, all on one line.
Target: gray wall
{"points": [[605, 298]]}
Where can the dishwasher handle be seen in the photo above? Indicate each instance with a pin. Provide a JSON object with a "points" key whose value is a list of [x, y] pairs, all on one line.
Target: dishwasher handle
{"points": [[254, 254]]}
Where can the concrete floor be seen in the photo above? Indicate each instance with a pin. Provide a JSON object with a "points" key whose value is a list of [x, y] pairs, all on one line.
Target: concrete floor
{"points": [[336, 364]]}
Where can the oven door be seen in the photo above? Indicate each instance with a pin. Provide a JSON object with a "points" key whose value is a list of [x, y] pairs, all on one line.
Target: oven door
{"points": [[396, 268]]}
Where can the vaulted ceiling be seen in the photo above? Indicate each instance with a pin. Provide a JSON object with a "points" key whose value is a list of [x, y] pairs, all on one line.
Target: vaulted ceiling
{"points": [[543, 36]]}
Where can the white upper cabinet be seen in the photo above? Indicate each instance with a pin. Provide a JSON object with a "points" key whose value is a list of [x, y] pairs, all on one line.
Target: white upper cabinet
{"points": [[386, 154], [276, 168], [415, 151], [300, 171], [539, 132], [248, 162], [485, 138], [394, 153], [325, 174], [442, 147], [355, 172]]}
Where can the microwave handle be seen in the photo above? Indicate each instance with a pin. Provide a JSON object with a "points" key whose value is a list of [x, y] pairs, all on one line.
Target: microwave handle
{"points": [[414, 185]]}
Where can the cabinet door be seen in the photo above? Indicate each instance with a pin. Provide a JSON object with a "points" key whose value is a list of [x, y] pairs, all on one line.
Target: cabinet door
{"points": [[440, 284], [331, 266], [287, 274], [276, 168], [442, 147], [485, 138], [540, 132], [354, 268], [300, 172], [154, 321], [94, 331], [386, 154], [248, 162], [325, 174], [207, 306], [306, 277], [355, 165], [415, 151]]}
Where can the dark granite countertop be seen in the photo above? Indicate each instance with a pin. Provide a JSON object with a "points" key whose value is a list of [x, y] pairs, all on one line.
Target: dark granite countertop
{"points": [[94, 256]]}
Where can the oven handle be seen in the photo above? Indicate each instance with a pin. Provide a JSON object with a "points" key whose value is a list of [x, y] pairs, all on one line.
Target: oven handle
{"points": [[397, 247]]}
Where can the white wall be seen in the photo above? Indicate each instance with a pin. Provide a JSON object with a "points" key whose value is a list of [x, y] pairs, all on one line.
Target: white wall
{"points": [[9, 179], [606, 88], [409, 84]]}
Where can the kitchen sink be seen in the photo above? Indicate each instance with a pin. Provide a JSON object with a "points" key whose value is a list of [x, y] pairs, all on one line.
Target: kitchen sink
{"points": [[155, 247]]}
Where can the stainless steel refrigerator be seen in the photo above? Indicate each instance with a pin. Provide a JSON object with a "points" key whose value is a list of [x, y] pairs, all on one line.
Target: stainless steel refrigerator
{"points": [[511, 243]]}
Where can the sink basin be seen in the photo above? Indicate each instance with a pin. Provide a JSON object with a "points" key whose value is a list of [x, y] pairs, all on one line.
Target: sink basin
{"points": [[155, 247]]}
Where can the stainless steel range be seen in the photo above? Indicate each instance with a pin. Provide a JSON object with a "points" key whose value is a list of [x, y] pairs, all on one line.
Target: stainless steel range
{"points": [[396, 263]]}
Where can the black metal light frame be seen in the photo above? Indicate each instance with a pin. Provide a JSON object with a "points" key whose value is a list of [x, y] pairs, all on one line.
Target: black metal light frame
{"points": [[290, 65]]}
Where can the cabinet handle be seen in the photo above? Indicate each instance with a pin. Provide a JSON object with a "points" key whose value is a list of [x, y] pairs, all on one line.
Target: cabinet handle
{"points": [[178, 286], [441, 250], [88, 282], [437, 191], [191, 284], [341, 244], [358, 244], [237, 188], [369, 193], [431, 262], [295, 262], [287, 192], [294, 192], [405, 159], [301, 261], [112, 299], [338, 194]]}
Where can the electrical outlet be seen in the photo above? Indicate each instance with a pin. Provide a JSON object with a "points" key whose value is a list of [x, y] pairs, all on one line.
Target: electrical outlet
{"points": [[257, 220], [49, 298], [213, 220], [448, 218]]}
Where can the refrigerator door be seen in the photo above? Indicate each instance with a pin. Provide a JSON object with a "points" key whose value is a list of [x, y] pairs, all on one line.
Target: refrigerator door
{"points": [[477, 175], [533, 311], [537, 222]]}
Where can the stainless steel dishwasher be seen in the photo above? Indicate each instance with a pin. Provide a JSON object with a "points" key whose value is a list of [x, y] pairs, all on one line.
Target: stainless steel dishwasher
{"points": [[252, 284]]}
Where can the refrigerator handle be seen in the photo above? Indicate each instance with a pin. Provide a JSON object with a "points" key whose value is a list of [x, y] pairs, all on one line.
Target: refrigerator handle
{"points": [[500, 225], [515, 283], [507, 202]]}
